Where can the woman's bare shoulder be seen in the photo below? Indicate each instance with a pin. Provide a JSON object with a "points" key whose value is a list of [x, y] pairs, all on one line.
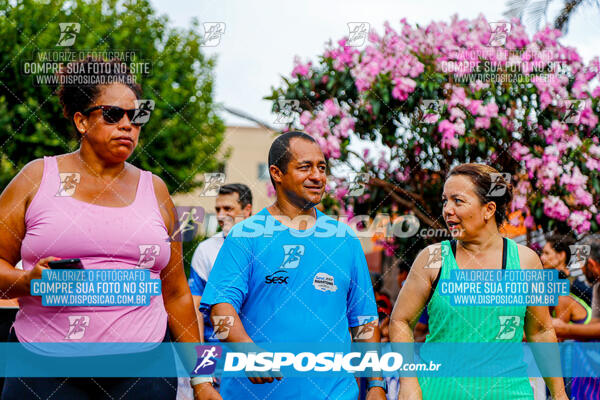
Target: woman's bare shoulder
{"points": [[29, 178], [528, 257]]}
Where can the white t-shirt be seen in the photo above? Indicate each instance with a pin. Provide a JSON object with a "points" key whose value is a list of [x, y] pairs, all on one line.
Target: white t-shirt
{"points": [[205, 255]]}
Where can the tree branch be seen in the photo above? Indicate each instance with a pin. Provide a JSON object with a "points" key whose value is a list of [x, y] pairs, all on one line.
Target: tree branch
{"points": [[395, 188], [391, 190], [562, 19]]}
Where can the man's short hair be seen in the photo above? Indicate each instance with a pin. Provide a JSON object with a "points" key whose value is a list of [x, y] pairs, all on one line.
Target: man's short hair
{"points": [[594, 242], [280, 154], [242, 190]]}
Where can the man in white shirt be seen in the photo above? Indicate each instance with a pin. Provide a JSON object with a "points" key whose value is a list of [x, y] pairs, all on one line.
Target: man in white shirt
{"points": [[233, 204]]}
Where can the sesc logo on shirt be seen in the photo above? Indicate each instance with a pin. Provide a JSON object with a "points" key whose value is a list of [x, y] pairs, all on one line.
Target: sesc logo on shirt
{"points": [[277, 277]]}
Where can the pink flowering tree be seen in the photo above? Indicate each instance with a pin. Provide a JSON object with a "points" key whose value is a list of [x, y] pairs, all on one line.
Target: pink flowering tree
{"points": [[466, 91]]}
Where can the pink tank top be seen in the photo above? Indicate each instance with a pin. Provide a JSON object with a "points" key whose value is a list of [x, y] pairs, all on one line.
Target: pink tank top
{"points": [[128, 237]]}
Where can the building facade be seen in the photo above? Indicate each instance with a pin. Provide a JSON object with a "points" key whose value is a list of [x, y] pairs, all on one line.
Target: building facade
{"points": [[244, 151]]}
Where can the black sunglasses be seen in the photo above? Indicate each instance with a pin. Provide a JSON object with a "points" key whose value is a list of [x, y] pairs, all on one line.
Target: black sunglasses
{"points": [[113, 114]]}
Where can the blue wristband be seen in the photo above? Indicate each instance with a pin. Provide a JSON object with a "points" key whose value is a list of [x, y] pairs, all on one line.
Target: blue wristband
{"points": [[378, 383]]}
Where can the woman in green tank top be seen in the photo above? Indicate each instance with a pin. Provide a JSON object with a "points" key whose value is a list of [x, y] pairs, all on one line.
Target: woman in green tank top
{"points": [[475, 201]]}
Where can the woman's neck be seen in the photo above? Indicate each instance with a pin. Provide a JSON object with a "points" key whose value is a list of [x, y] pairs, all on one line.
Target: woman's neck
{"points": [[487, 240], [98, 167], [563, 268]]}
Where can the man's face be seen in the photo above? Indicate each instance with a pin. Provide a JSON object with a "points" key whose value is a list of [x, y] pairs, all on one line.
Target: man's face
{"points": [[304, 181], [229, 210]]}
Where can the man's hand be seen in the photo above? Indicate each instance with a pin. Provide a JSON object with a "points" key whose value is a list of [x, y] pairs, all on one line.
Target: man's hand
{"points": [[376, 393], [205, 391], [265, 378]]}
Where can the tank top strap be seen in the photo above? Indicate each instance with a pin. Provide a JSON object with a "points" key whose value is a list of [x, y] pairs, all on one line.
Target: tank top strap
{"points": [[51, 183], [49, 190], [146, 197], [442, 272], [448, 259], [145, 187], [512, 255]]}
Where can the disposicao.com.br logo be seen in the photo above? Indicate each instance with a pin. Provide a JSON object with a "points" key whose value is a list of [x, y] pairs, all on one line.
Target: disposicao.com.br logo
{"points": [[364, 226], [322, 362]]}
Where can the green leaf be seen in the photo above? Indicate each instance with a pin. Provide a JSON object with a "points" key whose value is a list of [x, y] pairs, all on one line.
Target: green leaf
{"points": [[539, 212], [330, 83], [596, 184], [376, 106], [184, 132]]}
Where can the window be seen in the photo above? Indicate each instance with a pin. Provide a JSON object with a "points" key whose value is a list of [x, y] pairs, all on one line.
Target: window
{"points": [[263, 172]]}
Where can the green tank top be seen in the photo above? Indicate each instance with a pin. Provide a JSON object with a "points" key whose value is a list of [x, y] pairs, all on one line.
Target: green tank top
{"points": [[476, 324]]}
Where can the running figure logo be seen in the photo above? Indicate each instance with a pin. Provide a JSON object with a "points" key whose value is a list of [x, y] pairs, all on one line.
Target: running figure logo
{"points": [[148, 254], [68, 33], [436, 255], [357, 186], [77, 326], [221, 326], [187, 225], [143, 108], [579, 256], [291, 255], [288, 109], [68, 184], [207, 359], [212, 184], [212, 33], [366, 327], [573, 111], [357, 33], [508, 326], [500, 31], [430, 111], [499, 184]]}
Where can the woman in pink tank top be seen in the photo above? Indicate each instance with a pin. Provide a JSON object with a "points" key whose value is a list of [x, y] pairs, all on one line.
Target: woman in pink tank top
{"points": [[93, 205]]}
